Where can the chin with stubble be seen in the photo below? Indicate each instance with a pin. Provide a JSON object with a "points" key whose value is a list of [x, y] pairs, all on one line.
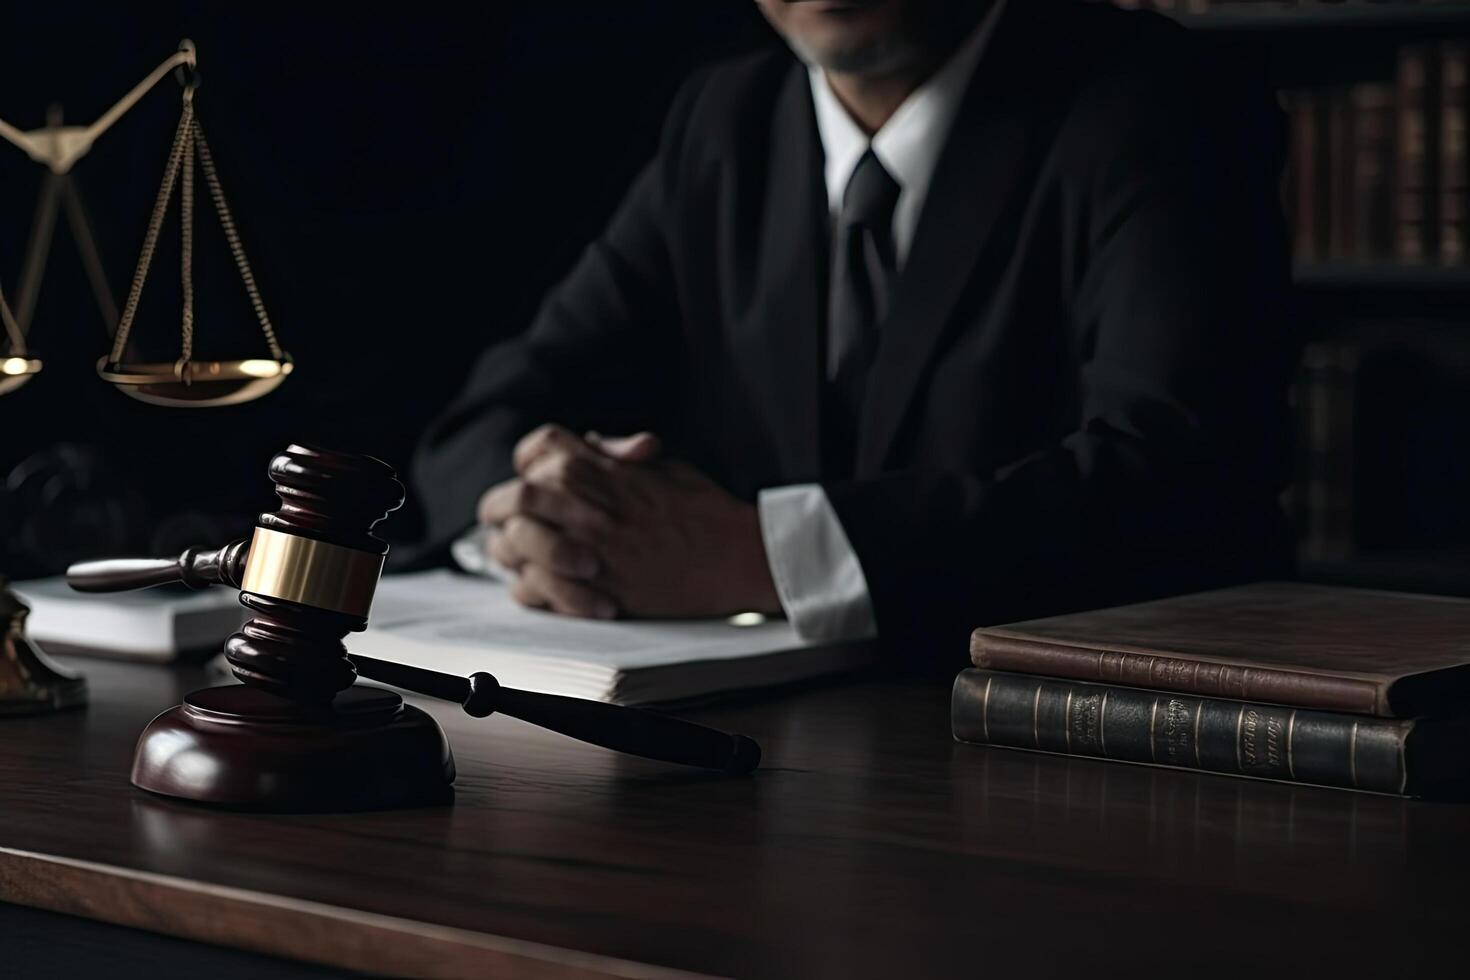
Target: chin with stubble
{"points": [[871, 37]]}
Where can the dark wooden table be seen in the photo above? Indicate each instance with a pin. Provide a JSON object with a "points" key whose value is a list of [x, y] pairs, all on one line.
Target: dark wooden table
{"points": [[870, 844]]}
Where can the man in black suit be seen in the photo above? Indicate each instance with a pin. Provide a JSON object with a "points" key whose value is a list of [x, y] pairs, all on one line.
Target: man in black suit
{"points": [[969, 312]]}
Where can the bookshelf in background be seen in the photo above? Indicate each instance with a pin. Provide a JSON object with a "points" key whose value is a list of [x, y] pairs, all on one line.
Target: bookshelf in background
{"points": [[1376, 93], [1377, 172]]}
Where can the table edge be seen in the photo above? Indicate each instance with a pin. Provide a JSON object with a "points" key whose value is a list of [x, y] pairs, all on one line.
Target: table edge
{"points": [[291, 928]]}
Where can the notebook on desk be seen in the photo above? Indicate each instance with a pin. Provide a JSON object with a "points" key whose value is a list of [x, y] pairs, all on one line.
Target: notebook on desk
{"points": [[460, 624]]}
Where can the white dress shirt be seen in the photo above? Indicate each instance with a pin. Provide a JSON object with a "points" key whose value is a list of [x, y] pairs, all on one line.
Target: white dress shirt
{"points": [[817, 574]]}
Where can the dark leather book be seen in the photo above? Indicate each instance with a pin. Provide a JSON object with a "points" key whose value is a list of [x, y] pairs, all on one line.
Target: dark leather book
{"points": [[1237, 738], [1417, 199], [1372, 171], [1306, 177], [1341, 235], [1359, 651], [1454, 161]]}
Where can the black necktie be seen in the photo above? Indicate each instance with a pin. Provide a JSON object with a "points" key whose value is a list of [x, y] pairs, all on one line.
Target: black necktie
{"points": [[864, 270]]}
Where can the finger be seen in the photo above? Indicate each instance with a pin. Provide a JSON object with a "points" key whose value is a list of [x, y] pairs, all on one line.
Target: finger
{"points": [[638, 448], [579, 484], [541, 587], [499, 503], [522, 497], [503, 552], [547, 439], [541, 544], [524, 591]]}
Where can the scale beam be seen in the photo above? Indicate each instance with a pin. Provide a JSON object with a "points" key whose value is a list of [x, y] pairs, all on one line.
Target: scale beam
{"points": [[60, 147]]}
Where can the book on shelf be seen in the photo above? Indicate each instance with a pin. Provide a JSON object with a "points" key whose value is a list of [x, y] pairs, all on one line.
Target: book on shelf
{"points": [[1416, 198], [1305, 183], [1370, 225], [1377, 170], [1454, 163], [1342, 243]]}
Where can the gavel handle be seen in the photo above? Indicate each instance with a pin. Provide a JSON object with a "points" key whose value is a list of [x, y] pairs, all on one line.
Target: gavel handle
{"points": [[617, 727], [195, 568]]}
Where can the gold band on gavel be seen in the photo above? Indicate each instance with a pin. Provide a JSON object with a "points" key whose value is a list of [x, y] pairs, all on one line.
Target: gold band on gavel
{"points": [[311, 572]]}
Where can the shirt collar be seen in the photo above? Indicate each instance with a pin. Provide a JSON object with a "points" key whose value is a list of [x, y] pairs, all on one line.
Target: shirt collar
{"points": [[910, 141]]}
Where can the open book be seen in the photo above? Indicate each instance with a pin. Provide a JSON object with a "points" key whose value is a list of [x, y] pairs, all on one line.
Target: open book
{"points": [[460, 624]]}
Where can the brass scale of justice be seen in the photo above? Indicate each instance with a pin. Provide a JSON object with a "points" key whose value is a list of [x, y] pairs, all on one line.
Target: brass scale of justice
{"points": [[298, 733]]}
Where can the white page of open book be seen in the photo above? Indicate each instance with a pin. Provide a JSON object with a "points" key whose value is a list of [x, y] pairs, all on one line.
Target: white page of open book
{"points": [[458, 623]]}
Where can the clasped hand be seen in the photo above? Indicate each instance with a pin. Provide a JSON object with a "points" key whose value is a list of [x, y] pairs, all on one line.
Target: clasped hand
{"points": [[603, 527]]}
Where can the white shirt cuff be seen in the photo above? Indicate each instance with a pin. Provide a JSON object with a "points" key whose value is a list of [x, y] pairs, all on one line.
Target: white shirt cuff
{"points": [[471, 552], [817, 574]]}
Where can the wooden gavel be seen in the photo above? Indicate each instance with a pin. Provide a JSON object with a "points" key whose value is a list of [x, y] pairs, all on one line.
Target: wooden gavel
{"points": [[308, 576]]}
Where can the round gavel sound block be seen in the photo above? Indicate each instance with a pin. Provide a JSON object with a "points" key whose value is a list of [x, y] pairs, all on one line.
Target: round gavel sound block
{"points": [[296, 734]]}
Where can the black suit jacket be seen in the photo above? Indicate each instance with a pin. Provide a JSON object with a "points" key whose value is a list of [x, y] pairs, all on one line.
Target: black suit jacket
{"points": [[1079, 396]]}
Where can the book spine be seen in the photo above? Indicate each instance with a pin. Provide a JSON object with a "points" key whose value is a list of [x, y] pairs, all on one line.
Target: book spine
{"points": [[1156, 728], [1172, 673], [1341, 235], [1415, 201], [1372, 170], [1319, 205], [1301, 175], [1454, 162]]}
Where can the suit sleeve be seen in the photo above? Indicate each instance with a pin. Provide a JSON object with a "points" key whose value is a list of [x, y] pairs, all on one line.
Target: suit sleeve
{"points": [[598, 354], [1169, 479]]}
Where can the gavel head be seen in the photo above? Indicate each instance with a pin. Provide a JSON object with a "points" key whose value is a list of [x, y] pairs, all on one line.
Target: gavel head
{"points": [[311, 572]]}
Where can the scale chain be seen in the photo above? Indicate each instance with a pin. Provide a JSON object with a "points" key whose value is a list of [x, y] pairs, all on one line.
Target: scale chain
{"points": [[150, 238], [186, 249], [188, 141], [227, 222]]}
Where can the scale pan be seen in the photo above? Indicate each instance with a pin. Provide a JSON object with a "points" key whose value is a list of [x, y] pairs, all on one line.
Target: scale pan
{"points": [[197, 384], [16, 370]]}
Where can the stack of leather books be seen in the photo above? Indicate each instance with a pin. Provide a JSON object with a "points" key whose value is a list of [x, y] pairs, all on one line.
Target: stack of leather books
{"points": [[1341, 687]]}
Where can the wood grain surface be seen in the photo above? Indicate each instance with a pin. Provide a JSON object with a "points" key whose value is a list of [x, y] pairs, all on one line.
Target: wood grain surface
{"points": [[869, 844]]}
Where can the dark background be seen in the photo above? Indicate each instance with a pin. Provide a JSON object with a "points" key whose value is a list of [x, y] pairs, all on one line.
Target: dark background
{"points": [[408, 181]]}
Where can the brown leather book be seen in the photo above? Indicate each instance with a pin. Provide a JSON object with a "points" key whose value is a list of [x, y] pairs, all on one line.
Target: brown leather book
{"points": [[1304, 178], [1454, 161], [1341, 236], [1358, 651], [1417, 198], [1372, 223]]}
